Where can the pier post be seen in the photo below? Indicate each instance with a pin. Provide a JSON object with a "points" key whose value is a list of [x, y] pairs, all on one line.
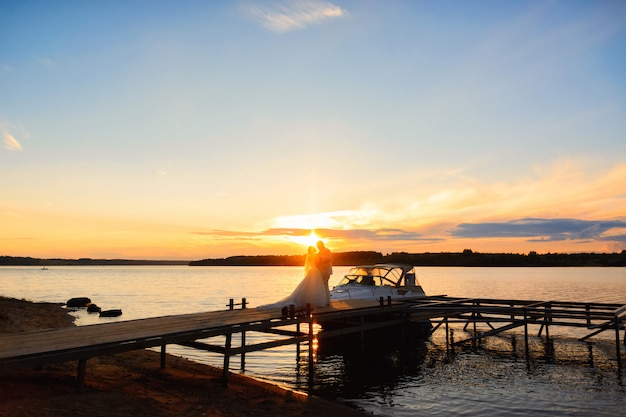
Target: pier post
{"points": [[474, 318], [163, 356], [445, 320], [227, 346], [547, 319], [243, 354], [243, 338], [298, 344], [617, 346], [526, 335]]}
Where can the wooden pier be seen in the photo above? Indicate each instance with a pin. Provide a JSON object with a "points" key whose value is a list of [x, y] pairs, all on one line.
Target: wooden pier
{"points": [[511, 314], [284, 327]]}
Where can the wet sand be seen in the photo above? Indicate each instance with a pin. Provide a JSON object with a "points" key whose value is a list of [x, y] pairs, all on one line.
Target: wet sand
{"points": [[132, 383]]}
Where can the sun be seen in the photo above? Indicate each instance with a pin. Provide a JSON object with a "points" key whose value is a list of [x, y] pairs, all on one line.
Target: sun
{"points": [[312, 238], [299, 225], [306, 240]]}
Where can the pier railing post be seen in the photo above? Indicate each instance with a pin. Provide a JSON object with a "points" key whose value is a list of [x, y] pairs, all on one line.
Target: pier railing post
{"points": [[445, 320], [243, 338], [227, 346], [298, 344], [549, 318], [526, 335], [617, 346]]}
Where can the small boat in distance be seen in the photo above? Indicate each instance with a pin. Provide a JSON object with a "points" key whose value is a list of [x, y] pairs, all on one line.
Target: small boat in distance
{"points": [[370, 282]]}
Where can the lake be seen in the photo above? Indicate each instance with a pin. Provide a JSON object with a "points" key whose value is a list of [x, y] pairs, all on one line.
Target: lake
{"points": [[579, 379]]}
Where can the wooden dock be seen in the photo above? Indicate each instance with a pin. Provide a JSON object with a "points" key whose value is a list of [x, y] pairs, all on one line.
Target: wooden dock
{"points": [[284, 327]]}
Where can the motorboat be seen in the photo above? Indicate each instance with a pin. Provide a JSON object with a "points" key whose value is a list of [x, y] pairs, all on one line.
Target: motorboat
{"points": [[371, 282], [385, 329]]}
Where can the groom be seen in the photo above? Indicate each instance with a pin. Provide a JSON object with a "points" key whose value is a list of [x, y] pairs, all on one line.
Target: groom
{"points": [[325, 265]]}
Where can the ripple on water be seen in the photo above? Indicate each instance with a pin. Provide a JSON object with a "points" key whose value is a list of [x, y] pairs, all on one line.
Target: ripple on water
{"points": [[498, 383]]}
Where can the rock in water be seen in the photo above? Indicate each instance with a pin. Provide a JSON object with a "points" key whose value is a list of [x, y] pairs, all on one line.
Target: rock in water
{"points": [[78, 302], [110, 313], [93, 308]]}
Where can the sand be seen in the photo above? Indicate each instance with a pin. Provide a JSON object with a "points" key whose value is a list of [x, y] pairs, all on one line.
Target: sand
{"points": [[132, 383]]}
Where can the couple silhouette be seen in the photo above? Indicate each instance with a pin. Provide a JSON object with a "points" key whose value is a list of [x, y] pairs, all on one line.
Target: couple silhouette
{"points": [[313, 289]]}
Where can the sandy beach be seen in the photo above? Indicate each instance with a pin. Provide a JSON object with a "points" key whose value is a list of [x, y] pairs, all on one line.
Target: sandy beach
{"points": [[133, 384]]}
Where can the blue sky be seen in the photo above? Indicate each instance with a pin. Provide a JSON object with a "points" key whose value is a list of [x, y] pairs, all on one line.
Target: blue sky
{"points": [[189, 129]]}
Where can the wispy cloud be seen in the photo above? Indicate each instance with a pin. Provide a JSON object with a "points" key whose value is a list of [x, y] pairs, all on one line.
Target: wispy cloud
{"points": [[383, 234], [287, 16], [11, 143], [332, 220], [46, 62], [544, 230]]}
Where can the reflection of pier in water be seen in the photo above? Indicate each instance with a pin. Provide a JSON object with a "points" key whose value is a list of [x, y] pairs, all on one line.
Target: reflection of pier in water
{"points": [[283, 327]]}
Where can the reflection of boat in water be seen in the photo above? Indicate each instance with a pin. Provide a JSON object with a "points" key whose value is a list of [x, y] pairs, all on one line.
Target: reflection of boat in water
{"points": [[370, 282]]}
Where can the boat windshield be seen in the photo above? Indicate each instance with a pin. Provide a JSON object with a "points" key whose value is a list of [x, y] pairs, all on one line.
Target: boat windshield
{"points": [[380, 275]]}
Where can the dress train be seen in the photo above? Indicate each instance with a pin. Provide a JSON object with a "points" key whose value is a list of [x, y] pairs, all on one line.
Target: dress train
{"points": [[311, 290]]}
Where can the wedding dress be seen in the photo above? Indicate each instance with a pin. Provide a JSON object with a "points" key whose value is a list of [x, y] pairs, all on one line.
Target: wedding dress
{"points": [[311, 290]]}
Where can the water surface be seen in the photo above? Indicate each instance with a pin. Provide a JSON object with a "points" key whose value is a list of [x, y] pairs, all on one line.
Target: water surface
{"points": [[566, 377]]}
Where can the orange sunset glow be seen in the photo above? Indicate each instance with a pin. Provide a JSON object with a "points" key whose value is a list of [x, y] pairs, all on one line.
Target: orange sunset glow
{"points": [[496, 132]]}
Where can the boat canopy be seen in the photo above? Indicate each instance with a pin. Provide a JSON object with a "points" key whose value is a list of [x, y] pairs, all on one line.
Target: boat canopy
{"points": [[395, 275]]}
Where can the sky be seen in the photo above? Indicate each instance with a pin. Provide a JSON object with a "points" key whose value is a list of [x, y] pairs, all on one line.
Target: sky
{"points": [[152, 129]]}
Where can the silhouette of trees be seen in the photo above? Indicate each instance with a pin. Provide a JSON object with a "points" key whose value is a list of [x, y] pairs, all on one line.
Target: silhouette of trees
{"points": [[465, 258]]}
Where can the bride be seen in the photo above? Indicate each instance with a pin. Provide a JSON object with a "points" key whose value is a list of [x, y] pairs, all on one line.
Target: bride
{"points": [[311, 290]]}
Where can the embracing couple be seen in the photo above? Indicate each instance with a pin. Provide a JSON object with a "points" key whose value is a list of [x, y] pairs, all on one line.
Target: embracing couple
{"points": [[313, 289]]}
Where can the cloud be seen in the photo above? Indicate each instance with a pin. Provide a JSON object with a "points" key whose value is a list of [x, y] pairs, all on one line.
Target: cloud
{"points": [[350, 234], [46, 62], [544, 230], [614, 238], [287, 16], [11, 143]]}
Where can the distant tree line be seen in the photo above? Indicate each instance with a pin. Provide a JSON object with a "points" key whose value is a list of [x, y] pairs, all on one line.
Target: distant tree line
{"points": [[339, 259], [466, 258], [28, 261], [532, 259]]}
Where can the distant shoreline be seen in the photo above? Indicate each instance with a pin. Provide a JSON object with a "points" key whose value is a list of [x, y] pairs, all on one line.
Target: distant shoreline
{"points": [[28, 261], [467, 258]]}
